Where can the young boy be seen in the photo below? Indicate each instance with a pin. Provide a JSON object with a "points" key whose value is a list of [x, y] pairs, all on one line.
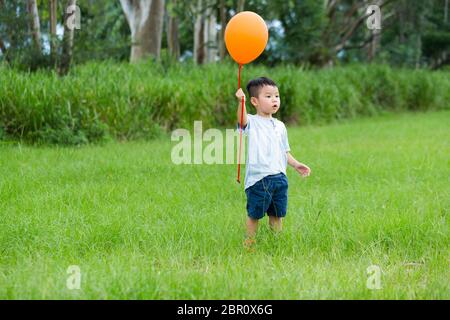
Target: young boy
{"points": [[266, 184]]}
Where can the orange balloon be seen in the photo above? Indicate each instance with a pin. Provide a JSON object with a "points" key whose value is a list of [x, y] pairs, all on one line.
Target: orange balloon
{"points": [[246, 36]]}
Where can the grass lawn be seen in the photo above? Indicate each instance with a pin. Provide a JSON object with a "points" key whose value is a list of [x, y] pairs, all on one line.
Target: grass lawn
{"points": [[140, 227]]}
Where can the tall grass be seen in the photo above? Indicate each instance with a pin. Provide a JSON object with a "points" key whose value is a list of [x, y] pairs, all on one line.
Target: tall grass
{"points": [[100, 100]]}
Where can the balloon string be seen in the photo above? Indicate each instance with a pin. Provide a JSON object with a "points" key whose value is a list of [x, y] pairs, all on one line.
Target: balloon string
{"points": [[240, 131]]}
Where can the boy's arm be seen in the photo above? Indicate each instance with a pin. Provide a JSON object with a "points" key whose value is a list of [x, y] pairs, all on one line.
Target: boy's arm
{"points": [[301, 168], [239, 95]]}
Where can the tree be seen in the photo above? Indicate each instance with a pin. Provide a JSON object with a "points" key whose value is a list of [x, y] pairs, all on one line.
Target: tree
{"points": [[35, 25], [173, 41], [67, 45], [302, 22], [223, 25], [205, 32], [104, 33], [374, 34], [53, 9], [240, 5], [436, 35], [145, 19], [3, 48], [355, 17], [2, 44]]}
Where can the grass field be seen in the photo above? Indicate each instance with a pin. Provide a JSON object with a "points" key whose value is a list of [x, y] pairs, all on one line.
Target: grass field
{"points": [[140, 227]]}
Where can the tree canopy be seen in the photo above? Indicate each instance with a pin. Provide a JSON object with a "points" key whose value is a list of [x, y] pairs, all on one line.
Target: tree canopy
{"points": [[413, 33]]}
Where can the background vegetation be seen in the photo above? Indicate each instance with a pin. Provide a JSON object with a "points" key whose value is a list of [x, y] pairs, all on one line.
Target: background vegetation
{"points": [[130, 101], [74, 85]]}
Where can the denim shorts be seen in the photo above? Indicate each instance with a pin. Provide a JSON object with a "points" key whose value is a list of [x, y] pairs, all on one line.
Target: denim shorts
{"points": [[268, 195]]}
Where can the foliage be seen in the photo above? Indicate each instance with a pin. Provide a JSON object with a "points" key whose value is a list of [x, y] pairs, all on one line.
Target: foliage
{"points": [[98, 100], [414, 33]]}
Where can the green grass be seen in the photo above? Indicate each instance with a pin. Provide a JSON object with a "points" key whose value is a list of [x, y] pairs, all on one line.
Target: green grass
{"points": [[140, 227], [142, 101]]}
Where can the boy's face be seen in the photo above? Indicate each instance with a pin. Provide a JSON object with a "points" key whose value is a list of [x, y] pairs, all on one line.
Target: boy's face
{"points": [[268, 100]]}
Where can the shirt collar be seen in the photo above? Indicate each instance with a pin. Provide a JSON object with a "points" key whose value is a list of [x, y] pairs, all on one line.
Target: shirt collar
{"points": [[266, 119]]}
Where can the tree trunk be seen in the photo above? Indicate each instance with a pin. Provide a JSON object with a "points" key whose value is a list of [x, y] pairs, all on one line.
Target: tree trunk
{"points": [[199, 50], [241, 5], [205, 33], [223, 24], [3, 49], [2, 44], [145, 18], [53, 21], [156, 21], [173, 41], [35, 25], [66, 57], [373, 44], [211, 35]]}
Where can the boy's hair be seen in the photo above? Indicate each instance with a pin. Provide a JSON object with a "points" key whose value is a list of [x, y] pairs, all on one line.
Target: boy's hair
{"points": [[255, 85]]}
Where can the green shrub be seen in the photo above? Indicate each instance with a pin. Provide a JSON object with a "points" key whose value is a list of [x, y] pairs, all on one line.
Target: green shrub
{"points": [[97, 101]]}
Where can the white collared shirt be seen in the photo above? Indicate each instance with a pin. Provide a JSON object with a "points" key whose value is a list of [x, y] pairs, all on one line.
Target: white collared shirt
{"points": [[267, 147]]}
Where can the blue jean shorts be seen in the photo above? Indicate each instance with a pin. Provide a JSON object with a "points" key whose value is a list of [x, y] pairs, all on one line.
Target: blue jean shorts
{"points": [[268, 195]]}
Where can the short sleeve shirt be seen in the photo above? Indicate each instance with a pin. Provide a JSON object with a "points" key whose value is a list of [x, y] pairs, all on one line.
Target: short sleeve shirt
{"points": [[267, 147]]}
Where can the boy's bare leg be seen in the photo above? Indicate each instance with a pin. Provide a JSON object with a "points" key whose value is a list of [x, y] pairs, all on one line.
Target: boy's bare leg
{"points": [[252, 227], [275, 223]]}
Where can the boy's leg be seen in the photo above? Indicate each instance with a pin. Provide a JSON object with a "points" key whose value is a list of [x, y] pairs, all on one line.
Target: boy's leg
{"points": [[252, 227], [256, 208], [275, 223], [278, 206]]}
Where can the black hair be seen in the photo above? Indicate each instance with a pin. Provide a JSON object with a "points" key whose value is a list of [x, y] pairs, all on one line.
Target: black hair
{"points": [[255, 85]]}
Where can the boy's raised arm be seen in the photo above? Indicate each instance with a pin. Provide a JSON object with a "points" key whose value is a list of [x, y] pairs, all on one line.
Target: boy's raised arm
{"points": [[239, 95]]}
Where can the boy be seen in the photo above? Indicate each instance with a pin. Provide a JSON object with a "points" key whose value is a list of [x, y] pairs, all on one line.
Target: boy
{"points": [[268, 154]]}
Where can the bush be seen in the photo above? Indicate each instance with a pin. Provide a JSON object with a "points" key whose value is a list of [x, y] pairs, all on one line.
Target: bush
{"points": [[141, 101]]}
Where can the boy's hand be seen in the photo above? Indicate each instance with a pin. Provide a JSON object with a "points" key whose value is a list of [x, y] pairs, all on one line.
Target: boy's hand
{"points": [[240, 94], [303, 169]]}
